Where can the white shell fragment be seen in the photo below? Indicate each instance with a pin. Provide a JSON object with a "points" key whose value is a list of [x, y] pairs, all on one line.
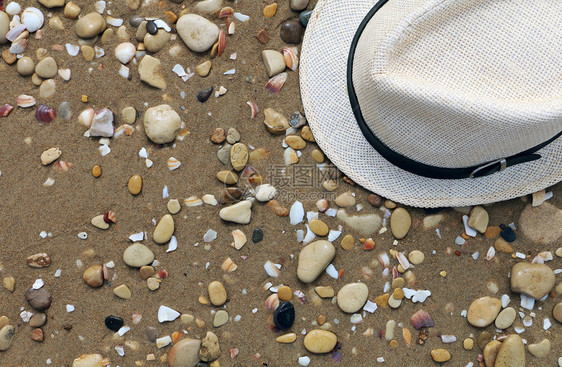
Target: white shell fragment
{"points": [[165, 313], [271, 269], [296, 214]]}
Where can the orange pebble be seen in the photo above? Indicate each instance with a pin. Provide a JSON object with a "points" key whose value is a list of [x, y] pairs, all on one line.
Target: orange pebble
{"points": [[172, 17], [465, 236], [270, 10], [96, 171], [84, 98]]}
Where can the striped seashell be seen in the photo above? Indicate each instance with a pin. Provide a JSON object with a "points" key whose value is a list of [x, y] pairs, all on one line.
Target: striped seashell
{"points": [[173, 163], [368, 332], [192, 201], [410, 278], [110, 217], [226, 12], [222, 42], [24, 101], [384, 259], [19, 46], [228, 265], [272, 302], [5, 110], [253, 109], [290, 56], [45, 114], [231, 28], [277, 82], [407, 337], [271, 269], [403, 260], [182, 134]]}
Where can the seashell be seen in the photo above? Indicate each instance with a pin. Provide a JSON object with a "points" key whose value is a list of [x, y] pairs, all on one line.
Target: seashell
{"points": [[290, 156], [233, 353], [39, 34], [109, 217], [222, 42], [173, 163], [176, 335], [45, 114], [124, 52], [395, 273], [272, 302], [19, 46], [384, 259], [407, 336], [24, 101], [410, 278], [49, 182], [5, 110], [86, 117], [33, 19], [228, 265], [366, 272], [105, 272], [253, 108], [192, 201], [271, 269], [231, 28], [13, 8], [64, 74], [290, 56], [368, 332], [226, 12], [15, 32], [239, 239], [209, 199], [16, 20], [277, 82], [491, 253], [58, 48], [403, 260], [182, 134], [136, 317], [421, 319], [62, 166]]}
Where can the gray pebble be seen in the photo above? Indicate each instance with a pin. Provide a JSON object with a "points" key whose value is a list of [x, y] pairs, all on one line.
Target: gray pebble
{"points": [[304, 17], [40, 299]]}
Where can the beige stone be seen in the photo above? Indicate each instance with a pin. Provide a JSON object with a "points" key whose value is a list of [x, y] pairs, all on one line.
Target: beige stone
{"points": [[90, 25], [440, 355], [478, 219], [150, 72], [534, 280], [9, 283], [129, 115], [138, 255], [400, 222], [88, 360], [318, 227], [364, 224], [50, 155], [210, 349], [273, 61], [275, 122], [313, 259], [416, 257], [161, 123], [156, 42], [490, 352], [217, 293], [557, 312], [325, 291], [173, 206], [46, 68], [352, 297], [286, 338], [93, 276], [204, 68], [185, 353], [135, 184], [51, 3], [345, 200], [71, 10], [483, 311], [164, 229], [320, 341], [238, 213], [25, 66], [47, 88], [122, 291], [505, 318], [540, 349], [6, 337], [221, 318], [239, 156], [98, 222], [347, 242], [511, 353]]}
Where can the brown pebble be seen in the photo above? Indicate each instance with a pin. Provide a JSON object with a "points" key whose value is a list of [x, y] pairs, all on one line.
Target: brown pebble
{"points": [[321, 320], [88, 52], [218, 136], [96, 171], [347, 242], [440, 355], [317, 156], [146, 272], [503, 246], [285, 293], [93, 276], [374, 200], [483, 339], [492, 231], [40, 299], [389, 204], [37, 320], [306, 134], [263, 36], [40, 260], [295, 142], [135, 184], [9, 57], [277, 208], [382, 300], [37, 335], [318, 227]]}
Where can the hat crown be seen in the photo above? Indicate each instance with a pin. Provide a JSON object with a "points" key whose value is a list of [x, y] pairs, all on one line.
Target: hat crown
{"points": [[456, 83]]}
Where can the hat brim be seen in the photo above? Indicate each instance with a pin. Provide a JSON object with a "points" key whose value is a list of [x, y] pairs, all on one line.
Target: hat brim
{"points": [[323, 83]]}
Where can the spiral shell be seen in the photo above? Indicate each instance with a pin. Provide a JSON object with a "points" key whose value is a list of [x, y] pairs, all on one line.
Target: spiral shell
{"points": [[45, 114]]}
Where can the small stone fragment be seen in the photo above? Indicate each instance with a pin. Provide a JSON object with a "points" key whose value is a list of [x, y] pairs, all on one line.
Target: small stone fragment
{"points": [[239, 156], [46, 68], [150, 72], [490, 352], [122, 291], [503, 246], [285, 293], [257, 235], [135, 184], [6, 336], [90, 25], [98, 222], [318, 227], [478, 219], [198, 33], [204, 68], [299, 5], [345, 200], [347, 242], [38, 320], [273, 61], [40, 260], [325, 292], [557, 312], [275, 122], [114, 323], [221, 318], [9, 283], [88, 360], [286, 338]]}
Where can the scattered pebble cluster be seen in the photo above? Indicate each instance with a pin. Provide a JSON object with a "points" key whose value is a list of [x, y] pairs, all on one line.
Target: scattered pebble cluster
{"points": [[352, 259]]}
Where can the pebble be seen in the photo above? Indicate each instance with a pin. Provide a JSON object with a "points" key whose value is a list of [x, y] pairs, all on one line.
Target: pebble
{"points": [[47, 88], [210, 349], [511, 353], [46, 68], [150, 72], [347, 242], [238, 213], [286, 338], [440, 355], [416, 257], [153, 283], [151, 27], [221, 318], [88, 52], [88, 360], [265, 192], [161, 123], [299, 4], [483, 311], [505, 318], [400, 222], [146, 272], [204, 68], [318, 227], [541, 224], [275, 122], [345, 200], [364, 224], [217, 293], [198, 33], [352, 297], [284, 315], [468, 344], [317, 156], [291, 32], [325, 291], [295, 142], [557, 312], [483, 339], [6, 337], [285, 293], [304, 17], [534, 280], [508, 234], [490, 352], [173, 206], [114, 323], [164, 229], [135, 184], [138, 255], [233, 136], [540, 349], [71, 10], [185, 353], [98, 222], [503, 246], [38, 320], [313, 259], [389, 204], [4, 26], [4, 320], [102, 124], [39, 299], [25, 66], [239, 156], [93, 276], [156, 42], [90, 25], [257, 235], [204, 94], [273, 61], [207, 6], [227, 177], [478, 219], [218, 136], [51, 3], [122, 291], [320, 341]]}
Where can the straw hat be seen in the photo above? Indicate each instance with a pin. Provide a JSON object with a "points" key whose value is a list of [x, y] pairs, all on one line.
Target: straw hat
{"points": [[437, 103]]}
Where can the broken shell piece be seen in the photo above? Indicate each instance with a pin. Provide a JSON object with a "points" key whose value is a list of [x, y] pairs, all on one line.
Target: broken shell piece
{"points": [[45, 114], [277, 82], [403, 260], [271, 269], [5, 110], [539, 197], [86, 117], [384, 259], [272, 302], [239, 239], [228, 265], [192, 201], [421, 319], [50, 155], [222, 42], [209, 199], [173, 163], [226, 12], [110, 217], [49, 181], [254, 109], [64, 74], [231, 28], [25, 101], [102, 124], [290, 57], [62, 166]]}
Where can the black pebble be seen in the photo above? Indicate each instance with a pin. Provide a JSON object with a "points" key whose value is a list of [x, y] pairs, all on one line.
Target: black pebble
{"points": [[284, 315], [257, 235], [508, 234], [291, 32], [203, 96], [151, 27], [304, 17], [114, 323]]}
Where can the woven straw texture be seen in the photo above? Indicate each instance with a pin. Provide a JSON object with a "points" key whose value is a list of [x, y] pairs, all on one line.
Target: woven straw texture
{"points": [[432, 97]]}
